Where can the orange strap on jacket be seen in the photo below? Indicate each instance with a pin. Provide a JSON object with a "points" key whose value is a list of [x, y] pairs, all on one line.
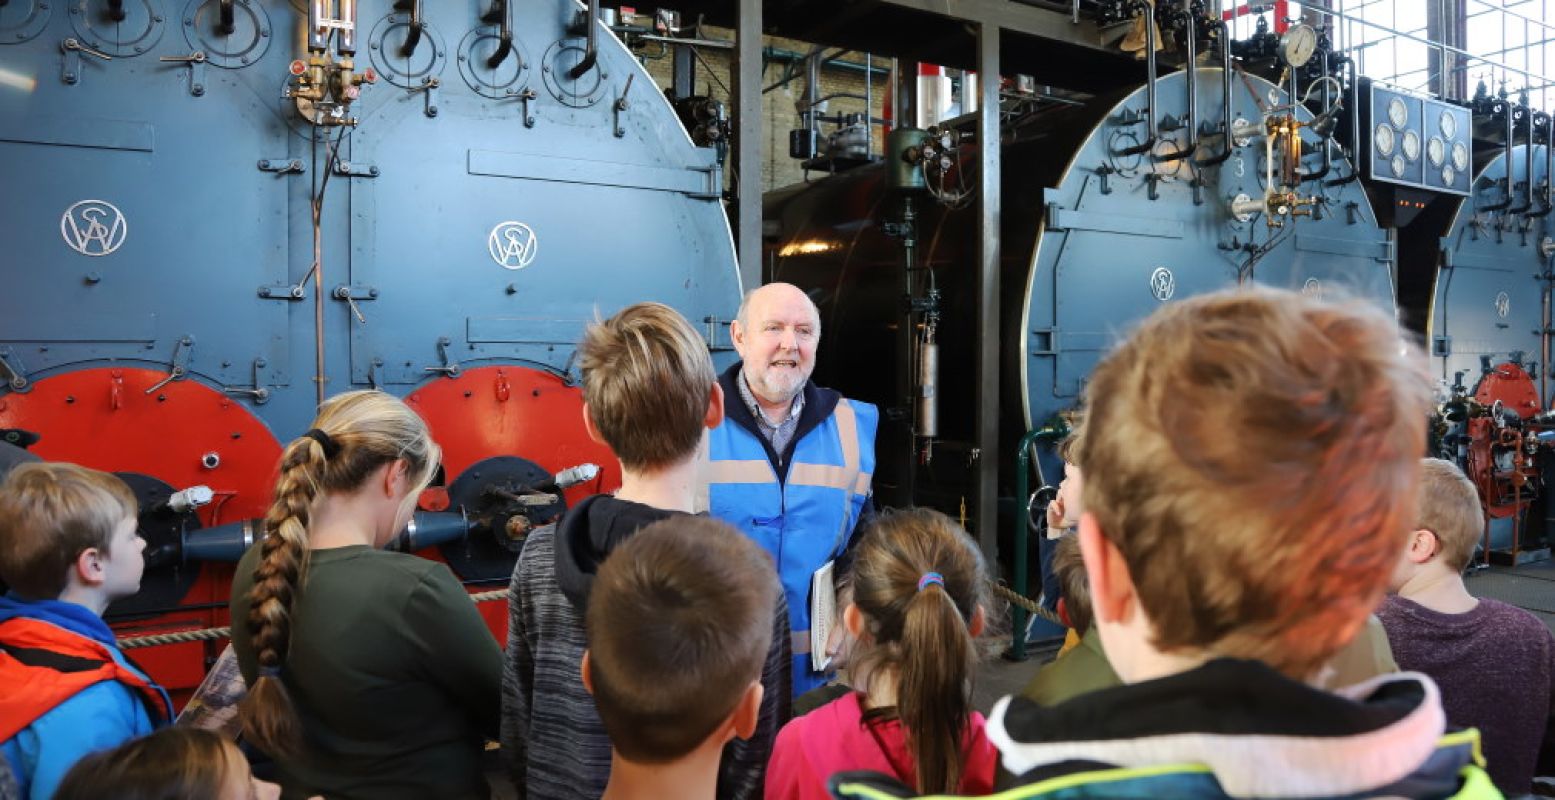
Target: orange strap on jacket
{"points": [[43, 665]]}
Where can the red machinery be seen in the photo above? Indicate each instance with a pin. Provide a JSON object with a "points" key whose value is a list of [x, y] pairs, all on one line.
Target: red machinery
{"points": [[1497, 435], [164, 437]]}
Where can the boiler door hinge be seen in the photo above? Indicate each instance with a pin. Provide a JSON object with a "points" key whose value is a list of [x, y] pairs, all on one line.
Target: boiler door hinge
{"points": [[12, 372], [352, 169], [449, 368], [715, 326], [283, 166], [260, 393], [1044, 342], [351, 294], [282, 292], [179, 368]]}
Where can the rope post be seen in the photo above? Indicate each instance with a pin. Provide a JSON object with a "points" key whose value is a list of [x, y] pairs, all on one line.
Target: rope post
{"points": [[1017, 651]]}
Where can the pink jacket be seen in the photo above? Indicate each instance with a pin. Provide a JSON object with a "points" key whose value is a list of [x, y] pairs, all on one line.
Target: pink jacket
{"points": [[834, 738]]}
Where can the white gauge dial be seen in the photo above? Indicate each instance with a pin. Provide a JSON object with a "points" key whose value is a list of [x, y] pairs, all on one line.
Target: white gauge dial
{"points": [[1460, 156], [1411, 145], [1384, 139], [1398, 113], [1449, 125], [1436, 150], [1449, 175], [1397, 165], [1298, 44]]}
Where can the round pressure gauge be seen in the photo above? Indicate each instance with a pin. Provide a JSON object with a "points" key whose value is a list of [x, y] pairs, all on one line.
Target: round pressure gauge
{"points": [[1397, 165], [1398, 113], [1383, 138], [1449, 175], [1411, 145], [1460, 156], [1449, 125], [1298, 44], [1436, 150]]}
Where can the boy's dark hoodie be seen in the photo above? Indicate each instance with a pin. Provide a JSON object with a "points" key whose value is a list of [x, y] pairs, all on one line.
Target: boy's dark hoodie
{"points": [[552, 739]]}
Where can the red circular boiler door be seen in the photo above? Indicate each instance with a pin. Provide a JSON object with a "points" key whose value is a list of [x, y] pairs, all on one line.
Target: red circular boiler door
{"points": [[488, 412], [517, 411], [183, 434]]}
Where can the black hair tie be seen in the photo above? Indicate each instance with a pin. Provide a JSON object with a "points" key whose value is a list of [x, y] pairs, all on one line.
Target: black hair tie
{"points": [[331, 448]]}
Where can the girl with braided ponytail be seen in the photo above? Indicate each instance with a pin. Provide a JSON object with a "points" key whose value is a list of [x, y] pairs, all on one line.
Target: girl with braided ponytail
{"points": [[918, 606], [370, 673]]}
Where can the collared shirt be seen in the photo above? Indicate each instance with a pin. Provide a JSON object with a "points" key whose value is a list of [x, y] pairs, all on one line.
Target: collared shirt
{"points": [[782, 433]]}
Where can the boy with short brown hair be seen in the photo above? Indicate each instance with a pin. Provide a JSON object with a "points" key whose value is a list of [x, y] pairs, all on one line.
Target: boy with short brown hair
{"points": [[678, 624], [1495, 663], [1251, 460], [651, 395], [68, 548]]}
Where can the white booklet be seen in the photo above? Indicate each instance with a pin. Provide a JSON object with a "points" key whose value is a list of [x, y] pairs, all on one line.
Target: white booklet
{"points": [[823, 615]]}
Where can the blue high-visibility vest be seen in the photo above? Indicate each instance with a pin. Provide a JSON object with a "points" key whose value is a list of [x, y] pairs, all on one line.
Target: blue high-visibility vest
{"points": [[804, 520]]}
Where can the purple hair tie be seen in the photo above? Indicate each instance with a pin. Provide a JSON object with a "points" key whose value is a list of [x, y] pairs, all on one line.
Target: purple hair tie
{"points": [[931, 577]]}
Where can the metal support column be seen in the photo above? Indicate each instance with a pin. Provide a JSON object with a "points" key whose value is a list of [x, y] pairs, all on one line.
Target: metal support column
{"points": [[1445, 68], [683, 73], [988, 328], [748, 142]]}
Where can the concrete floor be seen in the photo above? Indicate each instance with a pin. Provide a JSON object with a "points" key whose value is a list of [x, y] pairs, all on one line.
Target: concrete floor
{"points": [[1527, 586]]}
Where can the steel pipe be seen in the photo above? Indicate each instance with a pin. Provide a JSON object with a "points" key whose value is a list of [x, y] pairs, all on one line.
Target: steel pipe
{"points": [[1152, 124], [591, 54]]}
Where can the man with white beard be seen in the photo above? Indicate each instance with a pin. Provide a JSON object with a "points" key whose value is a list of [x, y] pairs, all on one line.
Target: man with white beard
{"points": [[792, 462]]}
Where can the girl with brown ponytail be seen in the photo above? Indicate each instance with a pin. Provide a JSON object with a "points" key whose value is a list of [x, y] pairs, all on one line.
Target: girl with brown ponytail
{"points": [[370, 673], [916, 612]]}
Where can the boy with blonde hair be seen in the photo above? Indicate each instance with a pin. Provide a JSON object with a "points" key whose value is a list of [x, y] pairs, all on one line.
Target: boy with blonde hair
{"points": [[1494, 662], [68, 548], [1251, 460], [651, 395], [677, 634]]}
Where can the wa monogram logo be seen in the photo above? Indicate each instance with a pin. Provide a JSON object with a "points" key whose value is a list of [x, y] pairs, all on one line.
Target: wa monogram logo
{"points": [[94, 227], [513, 245]]}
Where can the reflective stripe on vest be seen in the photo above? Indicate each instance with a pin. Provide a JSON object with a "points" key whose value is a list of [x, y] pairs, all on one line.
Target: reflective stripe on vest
{"points": [[805, 520]]}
